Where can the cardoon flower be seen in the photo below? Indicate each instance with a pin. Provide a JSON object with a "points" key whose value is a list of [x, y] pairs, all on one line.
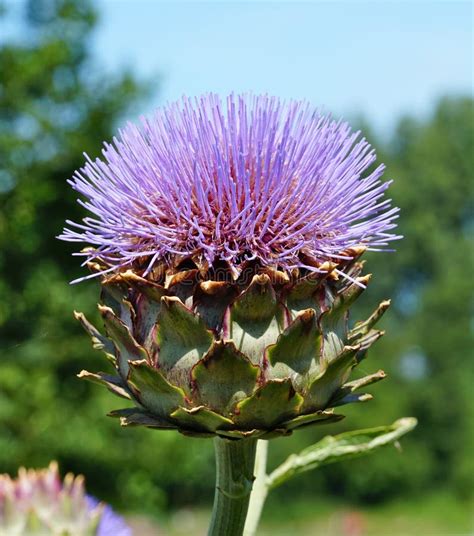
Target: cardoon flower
{"points": [[40, 503], [227, 238]]}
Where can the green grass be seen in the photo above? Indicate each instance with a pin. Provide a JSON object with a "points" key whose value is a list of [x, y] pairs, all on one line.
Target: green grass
{"points": [[435, 514], [429, 515]]}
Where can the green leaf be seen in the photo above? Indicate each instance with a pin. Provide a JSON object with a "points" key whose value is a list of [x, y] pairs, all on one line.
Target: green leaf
{"points": [[240, 434], [152, 290], [152, 390], [147, 305], [99, 342], [200, 419], [147, 312], [348, 388], [339, 448], [113, 383], [348, 295], [325, 385], [181, 335], [362, 328], [258, 302], [351, 398], [335, 318], [275, 433], [141, 417], [366, 341], [127, 347], [304, 293], [112, 292], [270, 404], [318, 417], [224, 376], [256, 318], [211, 299], [333, 344], [297, 349], [305, 287], [182, 284]]}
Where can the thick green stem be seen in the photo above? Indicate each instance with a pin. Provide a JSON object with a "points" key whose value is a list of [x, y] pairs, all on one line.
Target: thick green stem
{"points": [[259, 490], [235, 460]]}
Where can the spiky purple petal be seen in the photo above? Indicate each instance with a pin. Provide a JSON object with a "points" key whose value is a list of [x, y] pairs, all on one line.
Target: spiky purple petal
{"points": [[250, 177]]}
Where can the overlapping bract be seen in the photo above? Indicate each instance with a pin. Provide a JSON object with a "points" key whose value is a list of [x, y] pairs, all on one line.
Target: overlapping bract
{"points": [[39, 503], [252, 177], [257, 354]]}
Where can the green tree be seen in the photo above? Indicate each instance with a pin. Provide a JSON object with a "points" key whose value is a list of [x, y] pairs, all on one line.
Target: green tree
{"points": [[54, 104]]}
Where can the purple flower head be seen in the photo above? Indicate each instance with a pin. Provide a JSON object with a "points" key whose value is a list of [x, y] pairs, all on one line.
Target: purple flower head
{"points": [[55, 506], [251, 177]]}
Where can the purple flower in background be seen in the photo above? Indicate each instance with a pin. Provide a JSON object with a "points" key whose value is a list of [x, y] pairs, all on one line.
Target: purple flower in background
{"points": [[111, 524], [39, 502], [251, 177]]}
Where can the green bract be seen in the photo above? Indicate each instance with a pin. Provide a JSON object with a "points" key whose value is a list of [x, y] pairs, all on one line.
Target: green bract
{"points": [[257, 353]]}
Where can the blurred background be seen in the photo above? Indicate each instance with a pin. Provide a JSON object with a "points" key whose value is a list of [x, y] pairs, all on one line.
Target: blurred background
{"points": [[72, 71]]}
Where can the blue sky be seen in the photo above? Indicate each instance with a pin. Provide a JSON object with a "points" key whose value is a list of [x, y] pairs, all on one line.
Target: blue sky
{"points": [[379, 59]]}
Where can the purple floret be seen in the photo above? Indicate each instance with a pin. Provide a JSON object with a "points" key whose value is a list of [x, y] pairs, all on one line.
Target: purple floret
{"points": [[249, 177], [111, 524]]}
